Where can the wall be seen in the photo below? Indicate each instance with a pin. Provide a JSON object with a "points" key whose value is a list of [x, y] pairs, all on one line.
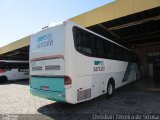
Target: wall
{"points": [[143, 52]]}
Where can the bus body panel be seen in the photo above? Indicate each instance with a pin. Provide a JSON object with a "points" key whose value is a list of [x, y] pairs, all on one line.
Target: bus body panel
{"points": [[47, 52], [49, 88], [70, 68], [48, 42], [118, 70], [56, 96], [90, 78], [48, 67]]}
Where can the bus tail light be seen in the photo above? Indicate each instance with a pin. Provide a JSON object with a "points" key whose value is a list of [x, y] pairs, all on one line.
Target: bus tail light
{"points": [[67, 81], [2, 70]]}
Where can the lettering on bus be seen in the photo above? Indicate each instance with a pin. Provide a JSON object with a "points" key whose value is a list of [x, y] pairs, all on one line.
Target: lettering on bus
{"points": [[99, 66], [45, 41]]}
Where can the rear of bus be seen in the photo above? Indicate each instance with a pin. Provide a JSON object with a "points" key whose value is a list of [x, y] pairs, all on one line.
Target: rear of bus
{"points": [[47, 73]]}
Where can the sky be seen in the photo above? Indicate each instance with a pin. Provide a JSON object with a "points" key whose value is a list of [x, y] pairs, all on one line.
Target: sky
{"points": [[20, 18]]}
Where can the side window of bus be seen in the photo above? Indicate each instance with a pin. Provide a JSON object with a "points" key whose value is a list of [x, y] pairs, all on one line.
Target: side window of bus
{"points": [[116, 51], [111, 51], [125, 57], [98, 47], [120, 53], [7, 66], [84, 41], [19, 67], [106, 53], [130, 56], [23, 67], [108, 50]]}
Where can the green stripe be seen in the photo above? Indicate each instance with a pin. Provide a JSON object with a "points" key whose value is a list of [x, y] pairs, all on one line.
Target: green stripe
{"points": [[127, 72], [98, 62]]}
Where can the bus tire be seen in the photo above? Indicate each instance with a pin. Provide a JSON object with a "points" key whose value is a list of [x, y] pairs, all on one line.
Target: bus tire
{"points": [[110, 89], [3, 79]]}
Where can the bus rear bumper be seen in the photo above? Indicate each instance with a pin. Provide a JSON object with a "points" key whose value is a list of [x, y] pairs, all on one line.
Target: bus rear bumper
{"points": [[51, 95]]}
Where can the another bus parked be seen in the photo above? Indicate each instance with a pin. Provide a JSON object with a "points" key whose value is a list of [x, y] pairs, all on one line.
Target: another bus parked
{"points": [[11, 70], [72, 64]]}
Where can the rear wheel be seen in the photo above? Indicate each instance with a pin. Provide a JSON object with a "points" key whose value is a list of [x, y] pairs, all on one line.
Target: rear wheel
{"points": [[3, 79], [110, 89]]}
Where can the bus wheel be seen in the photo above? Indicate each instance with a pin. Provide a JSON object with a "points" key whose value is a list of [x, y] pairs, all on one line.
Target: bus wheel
{"points": [[3, 79], [110, 89]]}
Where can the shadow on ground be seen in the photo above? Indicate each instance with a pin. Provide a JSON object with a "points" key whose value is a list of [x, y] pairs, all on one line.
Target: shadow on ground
{"points": [[127, 100]]}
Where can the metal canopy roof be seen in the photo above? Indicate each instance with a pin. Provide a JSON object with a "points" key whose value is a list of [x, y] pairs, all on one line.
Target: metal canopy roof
{"points": [[133, 30], [128, 22], [18, 50], [18, 54]]}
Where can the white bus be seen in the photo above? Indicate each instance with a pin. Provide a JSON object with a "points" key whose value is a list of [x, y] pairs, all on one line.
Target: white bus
{"points": [[72, 64], [11, 70]]}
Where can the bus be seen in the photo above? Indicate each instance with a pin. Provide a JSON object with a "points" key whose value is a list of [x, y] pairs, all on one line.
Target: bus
{"points": [[11, 70], [69, 63]]}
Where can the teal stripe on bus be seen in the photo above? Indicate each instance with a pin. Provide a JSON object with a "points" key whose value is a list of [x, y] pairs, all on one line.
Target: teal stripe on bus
{"points": [[55, 88], [127, 72]]}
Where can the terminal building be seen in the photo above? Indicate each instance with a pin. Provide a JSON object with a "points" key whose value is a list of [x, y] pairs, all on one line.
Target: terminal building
{"points": [[132, 23]]}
